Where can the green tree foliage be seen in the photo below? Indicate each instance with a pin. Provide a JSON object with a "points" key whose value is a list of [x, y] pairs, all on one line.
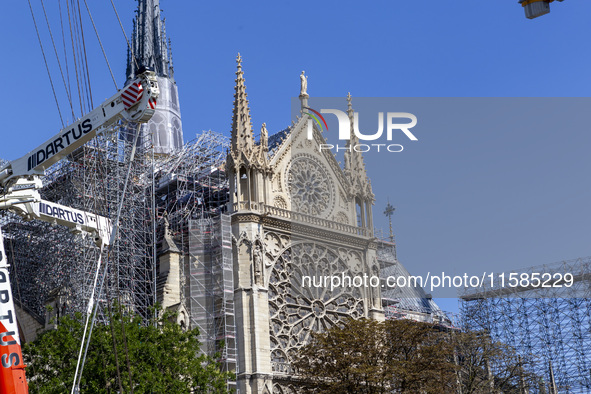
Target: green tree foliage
{"points": [[364, 356], [420, 357], [404, 356], [158, 357], [488, 367], [346, 359]]}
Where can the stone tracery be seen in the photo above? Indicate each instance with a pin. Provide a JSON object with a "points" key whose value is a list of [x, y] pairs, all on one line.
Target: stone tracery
{"points": [[296, 311], [309, 186]]}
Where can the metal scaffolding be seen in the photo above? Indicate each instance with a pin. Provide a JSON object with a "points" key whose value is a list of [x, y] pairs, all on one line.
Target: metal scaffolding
{"points": [[46, 259], [189, 187], [191, 183], [211, 287], [551, 325], [406, 302], [192, 191]]}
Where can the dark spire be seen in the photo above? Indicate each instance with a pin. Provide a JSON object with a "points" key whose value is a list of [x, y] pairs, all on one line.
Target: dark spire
{"points": [[149, 45]]}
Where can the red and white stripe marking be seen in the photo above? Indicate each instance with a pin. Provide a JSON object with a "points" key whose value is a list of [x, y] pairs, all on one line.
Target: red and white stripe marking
{"points": [[132, 95], [152, 103]]}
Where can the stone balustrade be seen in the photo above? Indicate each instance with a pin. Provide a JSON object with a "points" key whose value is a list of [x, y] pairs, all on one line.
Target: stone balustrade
{"points": [[300, 218]]}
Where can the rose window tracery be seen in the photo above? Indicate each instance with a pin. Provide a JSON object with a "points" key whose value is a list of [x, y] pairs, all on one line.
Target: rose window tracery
{"points": [[297, 311], [309, 186]]}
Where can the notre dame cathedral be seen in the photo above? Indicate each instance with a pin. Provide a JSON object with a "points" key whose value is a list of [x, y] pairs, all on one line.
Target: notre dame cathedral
{"points": [[222, 231], [294, 213], [280, 210]]}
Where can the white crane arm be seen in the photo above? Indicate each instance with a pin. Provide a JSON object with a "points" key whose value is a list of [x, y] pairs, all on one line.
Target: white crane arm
{"points": [[136, 102], [23, 199]]}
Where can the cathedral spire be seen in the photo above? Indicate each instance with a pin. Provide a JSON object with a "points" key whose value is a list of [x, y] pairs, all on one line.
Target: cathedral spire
{"points": [[242, 136], [353, 158], [149, 46], [354, 163], [353, 140]]}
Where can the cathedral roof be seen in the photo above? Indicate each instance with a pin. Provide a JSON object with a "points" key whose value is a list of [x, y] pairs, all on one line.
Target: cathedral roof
{"points": [[275, 139]]}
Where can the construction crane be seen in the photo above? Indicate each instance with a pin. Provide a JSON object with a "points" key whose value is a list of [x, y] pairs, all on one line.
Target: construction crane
{"points": [[20, 184], [535, 8]]}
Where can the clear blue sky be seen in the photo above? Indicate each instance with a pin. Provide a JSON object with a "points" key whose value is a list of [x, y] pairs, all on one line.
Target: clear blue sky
{"points": [[428, 48]]}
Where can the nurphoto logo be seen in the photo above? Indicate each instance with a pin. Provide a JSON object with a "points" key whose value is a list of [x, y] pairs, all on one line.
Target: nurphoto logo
{"points": [[391, 123]]}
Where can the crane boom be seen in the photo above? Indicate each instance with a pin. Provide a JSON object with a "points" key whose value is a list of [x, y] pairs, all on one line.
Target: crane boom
{"points": [[12, 372], [20, 182], [135, 103]]}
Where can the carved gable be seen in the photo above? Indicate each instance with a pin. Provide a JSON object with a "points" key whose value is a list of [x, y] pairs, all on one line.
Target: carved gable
{"points": [[310, 181]]}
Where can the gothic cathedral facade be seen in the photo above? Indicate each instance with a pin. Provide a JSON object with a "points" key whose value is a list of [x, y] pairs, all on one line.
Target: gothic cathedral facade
{"points": [[297, 217]]}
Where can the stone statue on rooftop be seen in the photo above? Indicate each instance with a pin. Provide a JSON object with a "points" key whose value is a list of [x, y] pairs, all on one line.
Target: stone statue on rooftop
{"points": [[304, 84]]}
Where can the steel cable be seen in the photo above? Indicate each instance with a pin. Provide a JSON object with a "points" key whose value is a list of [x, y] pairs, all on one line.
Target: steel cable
{"points": [[57, 57], [46, 65]]}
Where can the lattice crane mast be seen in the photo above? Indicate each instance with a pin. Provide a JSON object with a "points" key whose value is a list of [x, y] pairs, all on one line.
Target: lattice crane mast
{"points": [[20, 182]]}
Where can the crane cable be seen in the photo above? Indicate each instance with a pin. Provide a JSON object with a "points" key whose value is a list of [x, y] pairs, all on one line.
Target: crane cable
{"points": [[125, 35], [91, 306], [101, 44], [88, 87], [108, 295], [46, 66], [123, 331], [74, 56], [58, 59], [112, 328], [137, 133], [69, 87], [79, 42]]}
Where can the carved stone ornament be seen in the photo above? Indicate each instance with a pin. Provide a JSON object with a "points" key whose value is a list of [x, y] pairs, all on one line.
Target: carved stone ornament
{"points": [[279, 202], [310, 187], [341, 217], [296, 310], [303, 84], [257, 257]]}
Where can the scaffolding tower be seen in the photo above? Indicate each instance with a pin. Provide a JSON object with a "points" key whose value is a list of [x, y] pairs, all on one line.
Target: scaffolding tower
{"points": [[191, 184], [46, 259], [211, 287], [549, 325], [192, 192]]}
